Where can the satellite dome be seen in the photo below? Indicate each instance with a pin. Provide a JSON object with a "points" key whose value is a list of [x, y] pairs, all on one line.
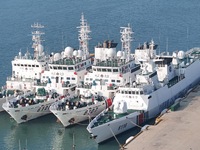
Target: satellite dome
{"points": [[124, 55], [39, 48], [68, 51], [75, 53], [111, 52], [119, 54], [57, 56], [80, 53], [181, 54], [62, 54]]}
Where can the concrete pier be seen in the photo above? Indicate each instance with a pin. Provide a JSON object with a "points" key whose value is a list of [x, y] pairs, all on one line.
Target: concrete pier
{"points": [[178, 130]]}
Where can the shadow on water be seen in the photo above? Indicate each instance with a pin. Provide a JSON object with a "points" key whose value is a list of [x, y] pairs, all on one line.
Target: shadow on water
{"points": [[45, 133]]}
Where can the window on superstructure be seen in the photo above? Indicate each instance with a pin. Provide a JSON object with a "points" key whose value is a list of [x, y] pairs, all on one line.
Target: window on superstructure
{"points": [[22, 65], [73, 89], [14, 64], [68, 78], [73, 78], [33, 65], [37, 65], [59, 68], [106, 80], [126, 92], [64, 68], [129, 92], [18, 64], [51, 67], [94, 69], [25, 65], [141, 92], [115, 70], [70, 68], [55, 68], [29, 65], [90, 79], [87, 79], [52, 78], [137, 92], [133, 92], [99, 69], [118, 81], [109, 70], [112, 80], [122, 92], [103, 70]]}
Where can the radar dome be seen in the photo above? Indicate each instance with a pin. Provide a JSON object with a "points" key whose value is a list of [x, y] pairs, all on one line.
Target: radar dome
{"points": [[80, 53], [68, 51], [124, 55], [111, 52], [39, 48], [181, 54], [57, 56], [75, 53], [62, 54], [119, 54]]}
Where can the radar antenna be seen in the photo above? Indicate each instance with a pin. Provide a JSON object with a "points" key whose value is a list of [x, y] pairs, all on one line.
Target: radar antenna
{"points": [[126, 38], [84, 30], [36, 38]]}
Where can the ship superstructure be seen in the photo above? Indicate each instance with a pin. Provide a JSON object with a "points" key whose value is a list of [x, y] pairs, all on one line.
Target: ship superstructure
{"points": [[67, 69], [110, 68], [28, 68]]}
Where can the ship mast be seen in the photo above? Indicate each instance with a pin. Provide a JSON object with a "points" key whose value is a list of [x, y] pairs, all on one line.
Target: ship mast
{"points": [[36, 38], [126, 38], [84, 37]]}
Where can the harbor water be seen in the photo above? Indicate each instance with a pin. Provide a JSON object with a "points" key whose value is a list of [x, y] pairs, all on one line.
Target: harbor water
{"points": [[173, 25]]}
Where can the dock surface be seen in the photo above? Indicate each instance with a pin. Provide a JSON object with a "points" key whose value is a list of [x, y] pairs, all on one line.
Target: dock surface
{"points": [[178, 130]]}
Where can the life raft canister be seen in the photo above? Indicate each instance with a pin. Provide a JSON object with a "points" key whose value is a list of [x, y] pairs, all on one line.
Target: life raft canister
{"points": [[109, 102]]}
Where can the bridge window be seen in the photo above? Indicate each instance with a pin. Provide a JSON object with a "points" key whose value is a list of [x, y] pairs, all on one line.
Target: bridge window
{"points": [[115, 70], [109, 70], [70, 68]]}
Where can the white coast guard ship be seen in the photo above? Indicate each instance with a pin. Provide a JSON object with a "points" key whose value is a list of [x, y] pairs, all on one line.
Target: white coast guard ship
{"points": [[163, 79], [64, 72], [28, 68], [67, 69], [110, 70]]}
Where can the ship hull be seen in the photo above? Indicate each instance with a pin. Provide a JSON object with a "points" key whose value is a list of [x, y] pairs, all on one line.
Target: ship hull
{"points": [[3, 100], [24, 114], [75, 116], [160, 99]]}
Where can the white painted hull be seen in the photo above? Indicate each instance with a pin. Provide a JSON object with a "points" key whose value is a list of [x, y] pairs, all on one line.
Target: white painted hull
{"points": [[160, 99], [3, 100], [24, 114], [79, 114], [106, 130]]}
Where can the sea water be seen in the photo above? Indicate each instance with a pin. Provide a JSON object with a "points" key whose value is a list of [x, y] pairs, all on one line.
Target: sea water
{"points": [[173, 25]]}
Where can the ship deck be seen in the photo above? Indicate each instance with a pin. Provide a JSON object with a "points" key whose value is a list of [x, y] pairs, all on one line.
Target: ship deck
{"points": [[110, 116]]}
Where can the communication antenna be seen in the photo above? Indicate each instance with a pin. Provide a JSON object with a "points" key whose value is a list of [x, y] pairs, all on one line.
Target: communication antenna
{"points": [[167, 45]]}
